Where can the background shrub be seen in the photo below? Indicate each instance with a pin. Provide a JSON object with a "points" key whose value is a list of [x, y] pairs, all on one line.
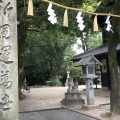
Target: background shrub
{"points": [[55, 81]]}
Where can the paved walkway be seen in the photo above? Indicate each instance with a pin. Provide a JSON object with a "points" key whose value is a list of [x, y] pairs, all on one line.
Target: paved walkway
{"points": [[54, 114], [50, 97]]}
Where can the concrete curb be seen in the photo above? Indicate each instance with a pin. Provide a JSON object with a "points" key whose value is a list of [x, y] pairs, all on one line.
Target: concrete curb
{"points": [[41, 110]]}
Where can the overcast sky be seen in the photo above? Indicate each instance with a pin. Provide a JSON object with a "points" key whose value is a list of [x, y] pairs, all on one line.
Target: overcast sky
{"points": [[75, 47]]}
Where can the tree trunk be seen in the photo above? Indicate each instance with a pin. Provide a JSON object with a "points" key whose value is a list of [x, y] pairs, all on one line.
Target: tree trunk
{"points": [[96, 86], [112, 55], [114, 96], [51, 69], [22, 34]]}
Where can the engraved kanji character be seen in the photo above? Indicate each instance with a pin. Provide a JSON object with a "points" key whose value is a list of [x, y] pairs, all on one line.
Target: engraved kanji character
{"points": [[8, 84], [5, 52], [7, 9], [5, 31], [4, 77], [6, 103]]}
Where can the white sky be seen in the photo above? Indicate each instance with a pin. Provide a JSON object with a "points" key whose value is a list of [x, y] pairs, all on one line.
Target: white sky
{"points": [[75, 47]]}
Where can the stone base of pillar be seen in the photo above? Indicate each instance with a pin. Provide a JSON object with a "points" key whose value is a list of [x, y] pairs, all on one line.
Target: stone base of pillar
{"points": [[72, 99], [90, 107]]}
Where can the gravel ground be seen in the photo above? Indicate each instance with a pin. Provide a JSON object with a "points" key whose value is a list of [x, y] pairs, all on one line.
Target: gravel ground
{"points": [[50, 97]]}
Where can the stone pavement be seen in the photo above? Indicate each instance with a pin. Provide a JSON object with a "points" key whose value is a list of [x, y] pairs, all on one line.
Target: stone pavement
{"points": [[54, 114]]}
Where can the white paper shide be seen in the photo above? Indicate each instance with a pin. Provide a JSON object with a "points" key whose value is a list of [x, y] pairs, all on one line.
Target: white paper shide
{"points": [[52, 16], [80, 21], [109, 26]]}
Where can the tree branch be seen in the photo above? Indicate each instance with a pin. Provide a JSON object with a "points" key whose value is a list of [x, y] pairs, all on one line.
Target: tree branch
{"points": [[35, 30]]}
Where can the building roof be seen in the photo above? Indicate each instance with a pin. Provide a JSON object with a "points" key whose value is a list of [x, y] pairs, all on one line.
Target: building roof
{"points": [[103, 49]]}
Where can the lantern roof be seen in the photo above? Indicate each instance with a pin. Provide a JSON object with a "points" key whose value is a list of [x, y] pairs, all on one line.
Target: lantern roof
{"points": [[88, 60]]}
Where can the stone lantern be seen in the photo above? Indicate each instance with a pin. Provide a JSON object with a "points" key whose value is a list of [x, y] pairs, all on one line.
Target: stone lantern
{"points": [[88, 73]]}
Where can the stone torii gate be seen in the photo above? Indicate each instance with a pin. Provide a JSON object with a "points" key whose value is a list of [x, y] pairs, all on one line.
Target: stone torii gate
{"points": [[8, 61]]}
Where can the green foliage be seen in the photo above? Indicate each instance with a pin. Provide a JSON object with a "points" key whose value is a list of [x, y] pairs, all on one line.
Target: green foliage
{"points": [[55, 81], [90, 41], [96, 81], [75, 71], [94, 40], [45, 56], [108, 1], [87, 36], [91, 5], [80, 81]]}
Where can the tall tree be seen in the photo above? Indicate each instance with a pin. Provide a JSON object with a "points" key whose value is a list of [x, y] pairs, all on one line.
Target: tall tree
{"points": [[112, 55], [112, 6], [47, 52], [22, 34]]}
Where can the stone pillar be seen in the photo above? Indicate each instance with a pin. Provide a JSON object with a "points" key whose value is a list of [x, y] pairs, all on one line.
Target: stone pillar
{"points": [[8, 61], [119, 86], [90, 92]]}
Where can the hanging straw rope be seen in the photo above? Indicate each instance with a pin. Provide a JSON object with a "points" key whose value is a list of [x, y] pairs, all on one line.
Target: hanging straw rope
{"points": [[65, 21], [30, 8], [95, 25], [70, 8]]}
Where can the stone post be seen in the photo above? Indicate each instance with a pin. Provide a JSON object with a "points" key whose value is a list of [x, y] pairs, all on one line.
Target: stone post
{"points": [[8, 61], [90, 91]]}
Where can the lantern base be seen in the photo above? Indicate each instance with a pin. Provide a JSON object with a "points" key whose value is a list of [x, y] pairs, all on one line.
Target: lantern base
{"points": [[72, 99]]}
